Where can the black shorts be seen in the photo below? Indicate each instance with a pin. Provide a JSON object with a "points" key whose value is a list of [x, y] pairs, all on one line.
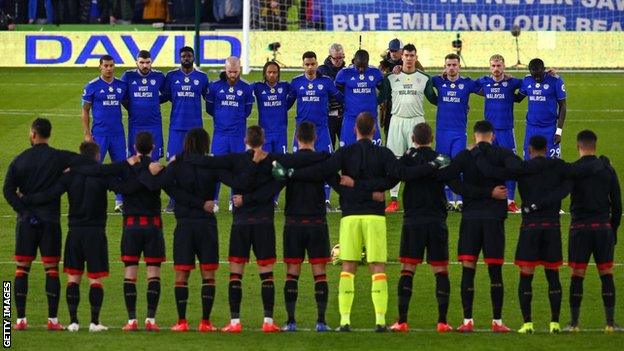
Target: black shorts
{"points": [[486, 234], [259, 236], [539, 244], [587, 239], [313, 238], [195, 238], [142, 235], [45, 236], [416, 237], [86, 244]]}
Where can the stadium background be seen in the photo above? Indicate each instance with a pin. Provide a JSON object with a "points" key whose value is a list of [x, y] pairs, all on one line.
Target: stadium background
{"points": [[52, 89]]}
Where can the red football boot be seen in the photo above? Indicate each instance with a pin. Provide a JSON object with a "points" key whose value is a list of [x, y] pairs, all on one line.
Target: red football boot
{"points": [[206, 326], [181, 326], [232, 328], [399, 327], [466, 328], [444, 328]]}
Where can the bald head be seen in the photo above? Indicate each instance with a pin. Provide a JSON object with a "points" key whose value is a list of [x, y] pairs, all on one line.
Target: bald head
{"points": [[232, 69]]}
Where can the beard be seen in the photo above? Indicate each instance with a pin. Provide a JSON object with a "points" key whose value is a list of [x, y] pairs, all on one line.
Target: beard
{"points": [[187, 64]]}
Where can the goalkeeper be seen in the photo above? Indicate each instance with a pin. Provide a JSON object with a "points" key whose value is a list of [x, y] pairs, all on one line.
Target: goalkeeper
{"points": [[424, 223], [363, 222]]}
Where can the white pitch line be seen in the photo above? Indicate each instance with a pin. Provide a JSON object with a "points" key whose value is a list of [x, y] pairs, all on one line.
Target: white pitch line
{"points": [[310, 330]]}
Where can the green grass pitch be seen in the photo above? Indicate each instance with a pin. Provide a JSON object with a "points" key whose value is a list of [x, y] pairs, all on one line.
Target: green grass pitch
{"points": [[594, 102]]}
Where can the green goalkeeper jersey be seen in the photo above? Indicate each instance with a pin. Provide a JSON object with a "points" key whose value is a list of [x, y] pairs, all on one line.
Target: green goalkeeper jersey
{"points": [[406, 92]]}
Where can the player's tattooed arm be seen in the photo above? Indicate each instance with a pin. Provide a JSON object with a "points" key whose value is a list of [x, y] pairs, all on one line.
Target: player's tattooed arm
{"points": [[86, 109], [563, 108]]}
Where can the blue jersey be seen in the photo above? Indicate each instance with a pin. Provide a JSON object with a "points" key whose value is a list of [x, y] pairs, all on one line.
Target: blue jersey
{"points": [[273, 106], [453, 97], [105, 99], [312, 98], [543, 99], [230, 106], [360, 90], [144, 94], [499, 101], [185, 92]]}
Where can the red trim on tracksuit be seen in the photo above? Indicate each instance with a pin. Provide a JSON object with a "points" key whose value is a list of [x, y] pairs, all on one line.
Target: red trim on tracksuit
{"points": [[470, 258], [409, 260], [237, 259], [96, 275], [319, 260], [266, 262]]}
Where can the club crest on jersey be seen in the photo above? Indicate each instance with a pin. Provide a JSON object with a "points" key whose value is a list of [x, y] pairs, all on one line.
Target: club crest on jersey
{"points": [[118, 90], [310, 86], [196, 81], [371, 78], [460, 86], [505, 84], [280, 90], [320, 87], [537, 85], [144, 81], [153, 81], [110, 89], [453, 85], [231, 90], [361, 76], [546, 86], [239, 92]]}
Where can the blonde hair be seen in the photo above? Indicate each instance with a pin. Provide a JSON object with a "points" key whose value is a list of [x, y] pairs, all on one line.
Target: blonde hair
{"points": [[497, 57]]}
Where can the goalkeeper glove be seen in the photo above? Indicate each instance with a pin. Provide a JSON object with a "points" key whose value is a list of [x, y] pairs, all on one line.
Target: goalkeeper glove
{"points": [[530, 208], [441, 161], [279, 172]]}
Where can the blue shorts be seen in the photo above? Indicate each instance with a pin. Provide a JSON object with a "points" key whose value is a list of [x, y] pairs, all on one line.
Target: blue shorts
{"points": [[156, 134], [450, 143], [552, 150], [114, 145], [323, 141], [223, 144], [175, 144], [505, 138], [347, 133], [276, 143]]}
